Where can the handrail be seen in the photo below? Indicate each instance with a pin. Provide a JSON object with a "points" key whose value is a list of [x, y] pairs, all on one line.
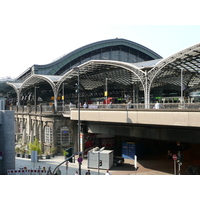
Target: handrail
{"points": [[66, 109]]}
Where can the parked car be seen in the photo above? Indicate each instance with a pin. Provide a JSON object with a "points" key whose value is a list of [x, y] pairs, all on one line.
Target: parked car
{"points": [[117, 160]]}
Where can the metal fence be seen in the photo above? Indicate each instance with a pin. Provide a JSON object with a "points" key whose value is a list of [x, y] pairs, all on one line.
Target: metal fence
{"points": [[66, 109]]}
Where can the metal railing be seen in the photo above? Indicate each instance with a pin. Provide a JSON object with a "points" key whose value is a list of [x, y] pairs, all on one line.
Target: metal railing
{"points": [[42, 109], [166, 106]]}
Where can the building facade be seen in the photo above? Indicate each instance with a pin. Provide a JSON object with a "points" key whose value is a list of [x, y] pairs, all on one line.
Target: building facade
{"points": [[121, 69]]}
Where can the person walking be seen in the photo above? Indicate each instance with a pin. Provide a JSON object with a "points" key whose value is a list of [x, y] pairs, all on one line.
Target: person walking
{"points": [[129, 105], [85, 105], [107, 172], [58, 172], [76, 173], [87, 173], [157, 105]]}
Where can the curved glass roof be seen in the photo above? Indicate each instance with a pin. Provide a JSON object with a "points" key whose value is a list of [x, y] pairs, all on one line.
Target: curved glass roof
{"points": [[93, 73], [168, 71], [89, 52]]}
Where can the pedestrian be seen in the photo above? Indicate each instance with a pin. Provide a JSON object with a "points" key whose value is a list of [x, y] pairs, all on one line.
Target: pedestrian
{"points": [[87, 173], [129, 105], [107, 172], [58, 172], [157, 105], [49, 171], [85, 105], [76, 173], [70, 105], [169, 155]]}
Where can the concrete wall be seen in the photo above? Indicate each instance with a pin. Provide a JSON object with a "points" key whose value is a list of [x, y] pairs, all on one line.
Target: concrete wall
{"points": [[7, 141], [164, 133], [185, 118]]}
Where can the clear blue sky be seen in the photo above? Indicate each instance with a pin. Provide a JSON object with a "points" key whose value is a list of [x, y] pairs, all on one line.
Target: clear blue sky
{"points": [[40, 31]]}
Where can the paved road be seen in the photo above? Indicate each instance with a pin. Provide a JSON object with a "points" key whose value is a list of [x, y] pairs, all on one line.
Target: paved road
{"points": [[54, 162], [145, 167]]}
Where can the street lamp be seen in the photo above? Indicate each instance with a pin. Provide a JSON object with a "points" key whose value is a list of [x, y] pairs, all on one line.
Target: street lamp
{"points": [[181, 86], [106, 92], [35, 96], [80, 143], [63, 95], [79, 124]]}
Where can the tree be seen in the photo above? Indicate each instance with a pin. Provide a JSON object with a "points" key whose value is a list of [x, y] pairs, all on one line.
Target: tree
{"points": [[35, 146]]}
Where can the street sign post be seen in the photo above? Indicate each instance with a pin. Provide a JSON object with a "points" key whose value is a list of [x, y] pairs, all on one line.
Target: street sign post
{"points": [[174, 157], [80, 160], [66, 167]]}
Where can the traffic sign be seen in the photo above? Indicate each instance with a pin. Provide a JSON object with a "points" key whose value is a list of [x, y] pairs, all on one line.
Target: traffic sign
{"points": [[80, 159], [174, 157]]}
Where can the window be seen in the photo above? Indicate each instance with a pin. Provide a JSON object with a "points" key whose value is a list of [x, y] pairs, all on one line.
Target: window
{"points": [[21, 127], [48, 135], [34, 129], [64, 136]]}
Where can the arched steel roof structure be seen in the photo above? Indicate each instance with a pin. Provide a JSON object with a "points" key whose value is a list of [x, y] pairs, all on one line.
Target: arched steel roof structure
{"points": [[95, 72], [113, 49], [169, 70], [146, 74]]}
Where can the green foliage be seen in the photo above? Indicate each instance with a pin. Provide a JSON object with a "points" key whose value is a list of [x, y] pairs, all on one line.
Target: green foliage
{"points": [[35, 146], [53, 150], [22, 150], [64, 152], [17, 149], [47, 151]]}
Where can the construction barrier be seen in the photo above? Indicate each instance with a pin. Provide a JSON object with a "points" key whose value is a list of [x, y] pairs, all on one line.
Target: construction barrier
{"points": [[27, 172]]}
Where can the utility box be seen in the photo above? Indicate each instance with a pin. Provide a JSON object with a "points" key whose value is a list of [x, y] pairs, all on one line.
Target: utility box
{"points": [[105, 157], [130, 149]]}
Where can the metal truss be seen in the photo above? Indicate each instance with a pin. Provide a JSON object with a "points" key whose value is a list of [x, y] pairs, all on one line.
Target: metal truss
{"points": [[123, 75]]}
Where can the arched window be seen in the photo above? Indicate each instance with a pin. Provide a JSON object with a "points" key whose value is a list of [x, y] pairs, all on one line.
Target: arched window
{"points": [[48, 135], [21, 127], [34, 129]]}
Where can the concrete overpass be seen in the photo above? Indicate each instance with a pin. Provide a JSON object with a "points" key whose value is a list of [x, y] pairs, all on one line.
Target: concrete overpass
{"points": [[161, 117], [167, 125]]}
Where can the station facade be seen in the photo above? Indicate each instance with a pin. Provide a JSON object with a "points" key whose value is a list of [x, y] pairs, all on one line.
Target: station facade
{"points": [[120, 68]]}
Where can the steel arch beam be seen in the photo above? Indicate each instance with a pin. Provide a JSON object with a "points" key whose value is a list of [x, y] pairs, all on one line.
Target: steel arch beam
{"points": [[91, 65]]}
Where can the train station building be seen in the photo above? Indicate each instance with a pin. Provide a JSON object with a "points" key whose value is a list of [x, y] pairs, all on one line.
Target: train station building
{"points": [[114, 71]]}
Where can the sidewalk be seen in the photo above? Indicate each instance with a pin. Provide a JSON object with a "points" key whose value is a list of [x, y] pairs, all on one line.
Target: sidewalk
{"points": [[53, 163], [145, 167]]}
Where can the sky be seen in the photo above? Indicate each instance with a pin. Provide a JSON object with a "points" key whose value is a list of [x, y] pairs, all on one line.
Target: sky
{"points": [[41, 31]]}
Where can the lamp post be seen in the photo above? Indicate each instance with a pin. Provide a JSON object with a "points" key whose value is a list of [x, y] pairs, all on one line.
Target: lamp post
{"points": [[35, 96], [106, 92], [63, 95], [78, 105], [79, 123]]}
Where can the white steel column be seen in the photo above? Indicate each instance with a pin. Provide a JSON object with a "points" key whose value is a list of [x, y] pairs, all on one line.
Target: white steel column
{"points": [[55, 91], [146, 91]]}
